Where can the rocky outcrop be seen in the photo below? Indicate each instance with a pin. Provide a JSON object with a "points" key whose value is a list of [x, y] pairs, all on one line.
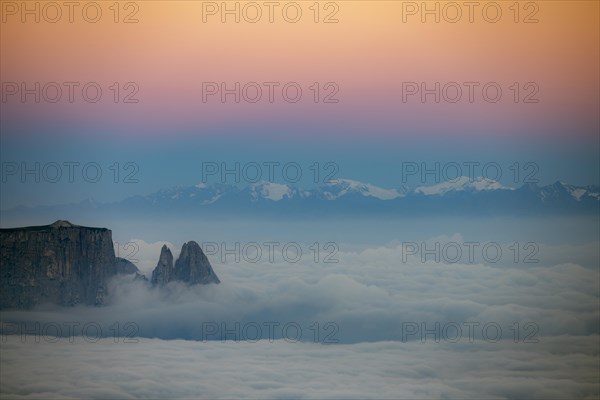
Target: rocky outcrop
{"points": [[163, 272], [191, 267], [126, 267], [68, 264], [60, 263]]}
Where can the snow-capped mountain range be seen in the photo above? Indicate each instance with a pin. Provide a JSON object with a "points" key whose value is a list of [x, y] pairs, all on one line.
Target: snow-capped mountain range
{"points": [[462, 196], [340, 188], [462, 183]]}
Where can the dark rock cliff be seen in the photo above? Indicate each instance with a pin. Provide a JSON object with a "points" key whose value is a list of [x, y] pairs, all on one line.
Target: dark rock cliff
{"points": [[60, 263]]}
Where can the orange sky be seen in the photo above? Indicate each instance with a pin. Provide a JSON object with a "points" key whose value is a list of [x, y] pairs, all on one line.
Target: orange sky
{"points": [[369, 52]]}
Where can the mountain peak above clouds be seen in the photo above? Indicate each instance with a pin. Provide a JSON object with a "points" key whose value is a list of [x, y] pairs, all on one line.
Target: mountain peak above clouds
{"points": [[340, 187], [191, 267], [462, 183], [164, 268]]}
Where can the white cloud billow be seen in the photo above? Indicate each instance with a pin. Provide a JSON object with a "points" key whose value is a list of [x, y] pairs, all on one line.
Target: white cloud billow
{"points": [[368, 294], [555, 368]]}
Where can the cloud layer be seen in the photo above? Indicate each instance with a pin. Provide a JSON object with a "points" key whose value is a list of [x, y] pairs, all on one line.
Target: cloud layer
{"points": [[369, 295], [394, 323], [555, 368]]}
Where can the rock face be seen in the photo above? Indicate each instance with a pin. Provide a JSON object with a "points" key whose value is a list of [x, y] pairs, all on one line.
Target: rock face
{"points": [[191, 267], [68, 264], [163, 272], [61, 263], [126, 267]]}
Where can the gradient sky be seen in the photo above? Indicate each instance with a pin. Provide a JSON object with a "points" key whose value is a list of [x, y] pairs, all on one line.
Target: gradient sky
{"points": [[368, 54]]}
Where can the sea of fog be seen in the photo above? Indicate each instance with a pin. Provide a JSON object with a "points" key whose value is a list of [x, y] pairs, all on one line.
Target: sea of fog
{"points": [[387, 312], [556, 368]]}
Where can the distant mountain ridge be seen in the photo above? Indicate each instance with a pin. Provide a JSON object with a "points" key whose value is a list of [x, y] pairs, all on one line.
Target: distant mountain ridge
{"points": [[463, 196]]}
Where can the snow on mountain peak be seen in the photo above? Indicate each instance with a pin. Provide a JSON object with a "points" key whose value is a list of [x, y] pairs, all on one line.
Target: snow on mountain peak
{"points": [[462, 183], [270, 190], [577, 193], [342, 187]]}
